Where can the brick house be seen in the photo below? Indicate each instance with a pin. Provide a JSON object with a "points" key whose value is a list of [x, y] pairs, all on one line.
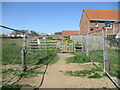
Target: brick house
{"points": [[92, 20], [66, 34]]}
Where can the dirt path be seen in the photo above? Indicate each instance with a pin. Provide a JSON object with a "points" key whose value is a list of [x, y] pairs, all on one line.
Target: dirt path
{"points": [[54, 78]]}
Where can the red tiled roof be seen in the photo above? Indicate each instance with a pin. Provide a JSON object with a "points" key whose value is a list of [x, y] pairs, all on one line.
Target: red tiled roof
{"points": [[21, 33], [12, 33], [67, 33], [102, 14], [3, 35]]}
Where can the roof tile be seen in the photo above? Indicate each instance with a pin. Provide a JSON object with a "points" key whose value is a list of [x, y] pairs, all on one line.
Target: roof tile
{"points": [[67, 33], [94, 14]]}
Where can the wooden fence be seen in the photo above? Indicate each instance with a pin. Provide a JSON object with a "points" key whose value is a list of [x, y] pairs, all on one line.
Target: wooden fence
{"points": [[42, 45]]}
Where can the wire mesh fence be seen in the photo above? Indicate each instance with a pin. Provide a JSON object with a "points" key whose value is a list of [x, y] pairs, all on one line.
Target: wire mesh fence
{"points": [[103, 49]]}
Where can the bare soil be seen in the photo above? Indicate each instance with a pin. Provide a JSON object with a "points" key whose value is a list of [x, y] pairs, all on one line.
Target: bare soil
{"points": [[54, 78]]}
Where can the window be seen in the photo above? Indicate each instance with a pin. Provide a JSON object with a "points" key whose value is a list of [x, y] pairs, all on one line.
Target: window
{"points": [[107, 25], [96, 24]]}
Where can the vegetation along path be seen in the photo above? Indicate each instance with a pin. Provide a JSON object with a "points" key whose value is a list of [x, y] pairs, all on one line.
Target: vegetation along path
{"points": [[55, 77]]}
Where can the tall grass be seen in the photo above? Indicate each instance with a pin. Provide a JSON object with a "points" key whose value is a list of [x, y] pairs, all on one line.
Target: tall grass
{"points": [[78, 58], [12, 47], [113, 55]]}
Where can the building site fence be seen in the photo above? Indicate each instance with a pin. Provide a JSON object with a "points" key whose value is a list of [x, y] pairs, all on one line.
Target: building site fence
{"points": [[103, 49]]}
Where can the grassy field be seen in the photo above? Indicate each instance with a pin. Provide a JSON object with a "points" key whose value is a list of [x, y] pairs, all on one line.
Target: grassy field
{"points": [[97, 56], [12, 47], [78, 58]]}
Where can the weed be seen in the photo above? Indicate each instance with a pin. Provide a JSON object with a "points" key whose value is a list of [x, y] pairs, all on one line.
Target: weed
{"points": [[96, 75], [93, 73], [30, 73], [97, 56], [15, 87], [78, 58], [8, 72]]}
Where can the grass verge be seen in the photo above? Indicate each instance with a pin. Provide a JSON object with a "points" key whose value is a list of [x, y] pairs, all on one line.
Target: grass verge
{"points": [[93, 73], [78, 58], [30, 73], [97, 56], [15, 87]]}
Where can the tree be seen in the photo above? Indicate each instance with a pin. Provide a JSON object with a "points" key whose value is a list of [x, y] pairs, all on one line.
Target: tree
{"points": [[33, 32], [56, 33]]}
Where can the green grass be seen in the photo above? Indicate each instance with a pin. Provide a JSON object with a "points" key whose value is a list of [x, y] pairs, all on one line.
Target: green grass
{"points": [[29, 73], [93, 73], [15, 87], [54, 60], [96, 75], [51, 58], [7, 72], [97, 56], [12, 47], [9, 53], [78, 58], [25, 74]]}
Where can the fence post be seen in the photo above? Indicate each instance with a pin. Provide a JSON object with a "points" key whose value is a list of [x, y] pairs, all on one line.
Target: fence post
{"points": [[45, 44], [83, 44], [87, 46], [105, 51], [24, 53]]}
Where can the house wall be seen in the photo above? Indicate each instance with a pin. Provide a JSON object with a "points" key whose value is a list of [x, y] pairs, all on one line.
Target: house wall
{"points": [[84, 24], [113, 30], [85, 27], [116, 28]]}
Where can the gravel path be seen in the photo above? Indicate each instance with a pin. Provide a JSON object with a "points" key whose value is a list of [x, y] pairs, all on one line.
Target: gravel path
{"points": [[54, 78]]}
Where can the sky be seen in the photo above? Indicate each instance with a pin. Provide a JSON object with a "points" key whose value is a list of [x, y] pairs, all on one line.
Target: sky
{"points": [[48, 17]]}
